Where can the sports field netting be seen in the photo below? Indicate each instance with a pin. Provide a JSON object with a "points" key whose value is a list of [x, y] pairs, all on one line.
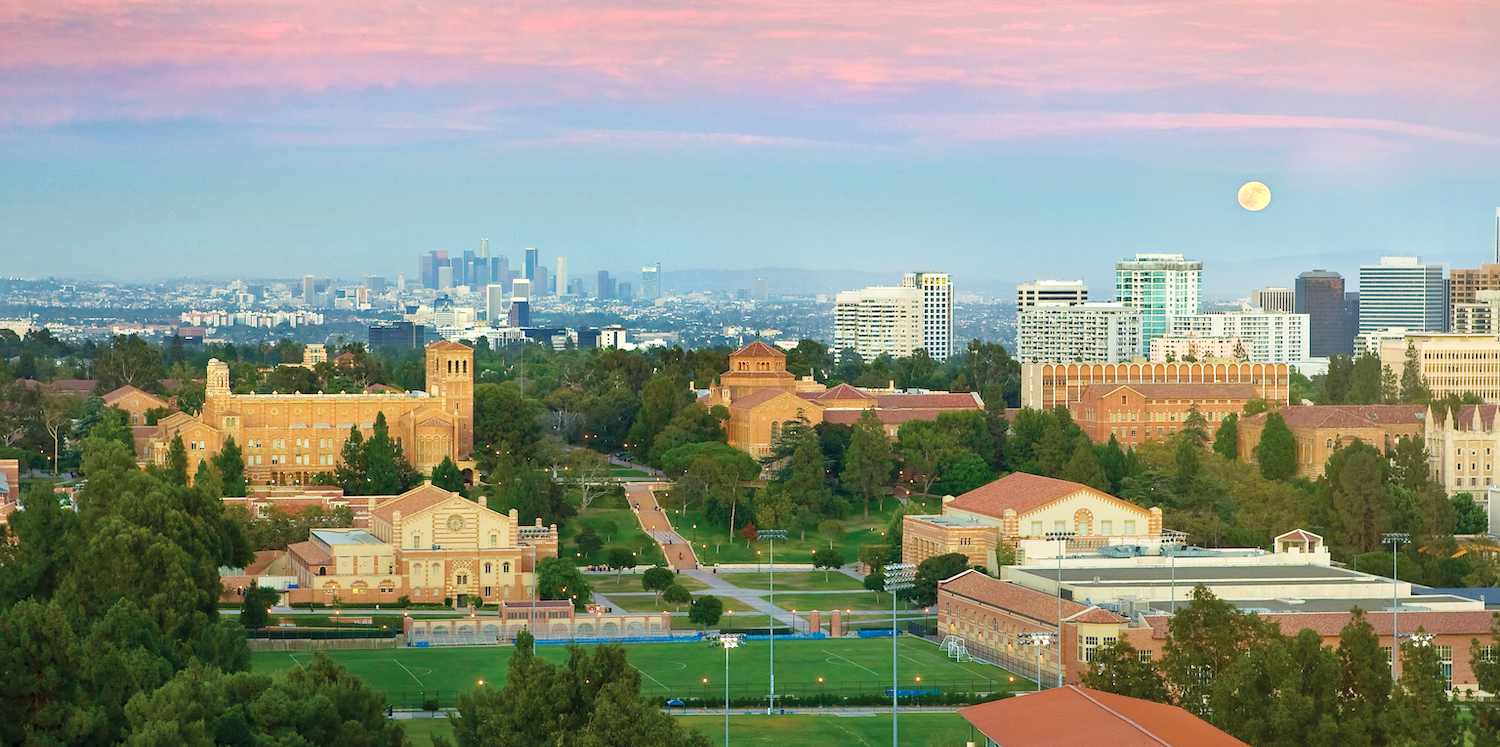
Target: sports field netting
{"points": [[410, 677]]}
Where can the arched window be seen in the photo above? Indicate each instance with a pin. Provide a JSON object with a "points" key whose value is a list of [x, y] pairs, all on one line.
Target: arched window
{"points": [[322, 571], [486, 567], [466, 366], [505, 568]]}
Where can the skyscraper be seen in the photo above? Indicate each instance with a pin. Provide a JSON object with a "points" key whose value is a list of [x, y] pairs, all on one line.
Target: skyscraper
{"points": [[1085, 332], [428, 264], [1320, 295], [500, 271], [445, 277], [759, 292], [309, 290], [539, 285], [606, 287], [530, 264], [1161, 286], [1402, 292], [494, 302], [878, 321], [1050, 291], [520, 304], [1274, 300], [937, 311], [651, 282], [561, 283], [375, 283]]}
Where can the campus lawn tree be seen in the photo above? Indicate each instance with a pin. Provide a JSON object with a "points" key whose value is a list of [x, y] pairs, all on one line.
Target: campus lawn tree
{"points": [[588, 541], [255, 611], [446, 475], [619, 559], [230, 464], [1117, 668], [676, 595], [925, 449], [706, 611], [932, 570], [557, 578], [827, 560], [657, 579], [1277, 450], [589, 473], [832, 530], [177, 461], [1227, 437], [868, 462]]}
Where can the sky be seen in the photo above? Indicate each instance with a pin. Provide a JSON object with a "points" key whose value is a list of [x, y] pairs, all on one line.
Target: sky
{"points": [[997, 141]]}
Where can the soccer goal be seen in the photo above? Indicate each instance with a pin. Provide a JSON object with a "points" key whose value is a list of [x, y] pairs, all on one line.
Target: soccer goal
{"points": [[954, 647]]}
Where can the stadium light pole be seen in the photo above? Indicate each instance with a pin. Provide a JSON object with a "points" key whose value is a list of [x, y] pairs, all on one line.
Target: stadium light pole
{"points": [[1062, 548], [898, 577], [1396, 540], [728, 641], [772, 535], [1040, 639]]}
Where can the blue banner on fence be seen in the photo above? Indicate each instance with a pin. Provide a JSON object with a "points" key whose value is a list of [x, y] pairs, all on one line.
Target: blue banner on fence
{"points": [[686, 638], [913, 693], [789, 637], [876, 633]]}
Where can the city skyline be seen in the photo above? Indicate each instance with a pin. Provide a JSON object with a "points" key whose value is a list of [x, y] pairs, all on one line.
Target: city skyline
{"points": [[991, 141]]}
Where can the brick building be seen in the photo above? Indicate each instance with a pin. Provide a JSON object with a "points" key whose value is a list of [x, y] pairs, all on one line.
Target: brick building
{"points": [[1135, 413], [1048, 385], [1322, 429]]}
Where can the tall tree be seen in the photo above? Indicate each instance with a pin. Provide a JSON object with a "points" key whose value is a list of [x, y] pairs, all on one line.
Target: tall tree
{"points": [[923, 592], [1365, 690], [1206, 636], [1195, 426], [1282, 692], [1413, 387], [1277, 450], [925, 449], [1227, 437], [446, 475], [383, 476], [1354, 483], [660, 400], [230, 464], [558, 578], [1084, 467], [177, 461], [1421, 712], [807, 484], [1117, 668], [353, 473], [868, 462]]}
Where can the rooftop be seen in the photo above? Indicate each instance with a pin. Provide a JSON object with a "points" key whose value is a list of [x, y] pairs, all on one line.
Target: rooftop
{"points": [[346, 537], [1074, 715]]}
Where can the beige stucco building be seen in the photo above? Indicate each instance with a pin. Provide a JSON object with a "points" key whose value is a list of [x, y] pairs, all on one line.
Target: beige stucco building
{"points": [[288, 438], [1451, 363], [1462, 449], [1320, 430]]}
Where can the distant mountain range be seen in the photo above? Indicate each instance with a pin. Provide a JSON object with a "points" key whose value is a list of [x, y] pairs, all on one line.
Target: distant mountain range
{"points": [[791, 281]]}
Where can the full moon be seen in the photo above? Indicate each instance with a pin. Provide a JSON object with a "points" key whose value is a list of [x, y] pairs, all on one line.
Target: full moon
{"points": [[1254, 196]]}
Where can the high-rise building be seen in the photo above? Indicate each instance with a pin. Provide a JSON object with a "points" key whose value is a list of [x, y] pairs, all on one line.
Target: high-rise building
{"points": [[1478, 317], [1402, 292], [1497, 234], [1465, 285], [539, 285], [937, 311], [375, 283], [1266, 337], [530, 264], [1320, 295], [651, 282], [494, 302], [878, 321], [444, 277], [605, 290], [561, 283], [1085, 332], [484, 248], [623, 292], [760, 291], [520, 304], [398, 335], [1161, 286], [309, 290], [575, 288], [428, 264], [1274, 300], [500, 271], [1050, 291]]}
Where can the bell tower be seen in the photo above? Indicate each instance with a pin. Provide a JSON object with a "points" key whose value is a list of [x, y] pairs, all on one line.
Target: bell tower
{"points": [[450, 376]]}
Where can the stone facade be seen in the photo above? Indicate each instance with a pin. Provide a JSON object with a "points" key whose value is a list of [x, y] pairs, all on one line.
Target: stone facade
{"points": [[1462, 449], [288, 438]]}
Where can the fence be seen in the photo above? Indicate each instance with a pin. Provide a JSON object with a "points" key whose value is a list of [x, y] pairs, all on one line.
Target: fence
{"points": [[323, 644], [319, 634]]}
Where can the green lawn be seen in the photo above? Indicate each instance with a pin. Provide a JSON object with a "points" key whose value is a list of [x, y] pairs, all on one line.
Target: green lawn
{"points": [[864, 600], [793, 581], [916, 729], [632, 582], [712, 543], [850, 666], [643, 604], [627, 534]]}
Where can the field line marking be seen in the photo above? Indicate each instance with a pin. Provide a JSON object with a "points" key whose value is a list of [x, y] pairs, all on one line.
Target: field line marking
{"points": [[653, 679], [294, 661], [861, 739], [855, 663], [408, 671]]}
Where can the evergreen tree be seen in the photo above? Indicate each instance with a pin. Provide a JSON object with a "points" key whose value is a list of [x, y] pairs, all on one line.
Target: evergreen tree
{"points": [[1188, 464], [1365, 688], [1277, 450], [1421, 713], [380, 461], [1195, 426], [967, 472], [1413, 387], [352, 473], [207, 480], [660, 400], [1227, 437], [1354, 486], [925, 450], [1117, 668], [868, 463], [807, 484], [177, 461], [230, 464], [1206, 636], [1113, 459], [447, 476], [1083, 467]]}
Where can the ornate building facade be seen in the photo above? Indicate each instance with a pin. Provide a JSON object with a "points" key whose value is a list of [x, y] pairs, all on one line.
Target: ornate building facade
{"points": [[288, 438]]}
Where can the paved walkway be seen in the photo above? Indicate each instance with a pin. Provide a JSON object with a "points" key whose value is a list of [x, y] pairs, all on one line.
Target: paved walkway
{"points": [[679, 552]]}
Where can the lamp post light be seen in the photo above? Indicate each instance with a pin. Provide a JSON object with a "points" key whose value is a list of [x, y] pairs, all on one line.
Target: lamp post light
{"points": [[898, 577], [728, 641], [820, 693], [1395, 540], [1040, 639], [772, 535], [1062, 548]]}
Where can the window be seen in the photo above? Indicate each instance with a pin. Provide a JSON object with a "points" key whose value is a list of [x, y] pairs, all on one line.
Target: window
{"points": [[1129, 527], [487, 567], [1086, 651], [416, 541], [1036, 528], [505, 568], [1106, 527], [1445, 659], [965, 540], [1143, 655], [494, 540], [463, 579], [1059, 526]]}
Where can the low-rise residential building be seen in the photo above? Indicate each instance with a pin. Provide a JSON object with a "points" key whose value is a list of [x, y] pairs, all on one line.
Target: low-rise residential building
{"points": [[1135, 413], [1320, 430], [1061, 333], [1048, 385]]}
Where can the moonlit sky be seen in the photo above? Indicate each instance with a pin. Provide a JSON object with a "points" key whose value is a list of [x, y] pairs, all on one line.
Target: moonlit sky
{"points": [[995, 140]]}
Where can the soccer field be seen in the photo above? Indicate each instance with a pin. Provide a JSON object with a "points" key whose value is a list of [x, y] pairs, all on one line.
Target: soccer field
{"points": [[848, 667]]}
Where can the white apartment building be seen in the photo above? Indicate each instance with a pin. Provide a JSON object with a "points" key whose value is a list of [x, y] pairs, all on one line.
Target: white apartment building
{"points": [[1170, 349], [937, 311], [1094, 332], [1402, 292], [1480, 317], [1266, 337], [1050, 291], [879, 321], [1275, 300], [560, 280], [1162, 287], [495, 302]]}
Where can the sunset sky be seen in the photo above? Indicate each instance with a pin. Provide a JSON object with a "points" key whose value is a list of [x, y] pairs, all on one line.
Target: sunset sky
{"points": [[995, 140]]}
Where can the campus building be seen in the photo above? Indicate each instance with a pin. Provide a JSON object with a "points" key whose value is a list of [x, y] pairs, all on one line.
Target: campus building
{"points": [[10, 487], [1320, 430], [1018, 511], [1461, 447], [761, 395], [1402, 292], [1091, 717], [1194, 349], [288, 438], [1048, 385], [1136, 413]]}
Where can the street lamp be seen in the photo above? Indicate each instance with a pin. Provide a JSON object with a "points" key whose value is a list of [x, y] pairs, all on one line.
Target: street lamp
{"points": [[772, 535], [898, 577], [728, 641], [1062, 548], [1396, 540], [1039, 639]]}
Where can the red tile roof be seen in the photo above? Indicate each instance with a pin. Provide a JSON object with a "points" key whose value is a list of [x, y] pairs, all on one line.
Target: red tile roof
{"points": [[757, 349], [937, 401], [1464, 419], [1328, 624], [114, 396], [1097, 615], [448, 345], [888, 417], [760, 397], [1345, 416], [844, 391], [1175, 390], [417, 499], [1072, 715], [1039, 606], [1023, 492], [309, 554]]}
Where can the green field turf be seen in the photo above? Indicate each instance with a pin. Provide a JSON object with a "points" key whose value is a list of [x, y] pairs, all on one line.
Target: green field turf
{"points": [[848, 666], [605, 584], [861, 600], [916, 729], [793, 581]]}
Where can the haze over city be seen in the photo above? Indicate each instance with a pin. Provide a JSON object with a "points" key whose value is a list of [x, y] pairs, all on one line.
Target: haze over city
{"points": [[150, 140]]}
